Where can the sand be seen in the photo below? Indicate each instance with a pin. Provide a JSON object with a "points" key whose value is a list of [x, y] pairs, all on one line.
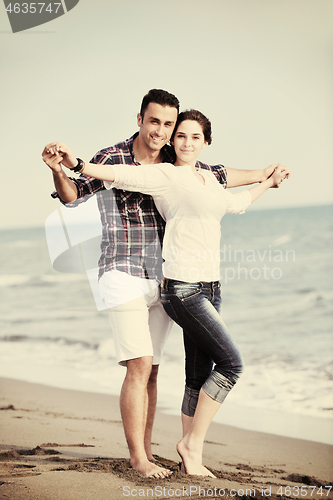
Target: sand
{"points": [[68, 445]]}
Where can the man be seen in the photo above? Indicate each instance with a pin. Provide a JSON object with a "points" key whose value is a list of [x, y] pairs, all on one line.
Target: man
{"points": [[130, 264]]}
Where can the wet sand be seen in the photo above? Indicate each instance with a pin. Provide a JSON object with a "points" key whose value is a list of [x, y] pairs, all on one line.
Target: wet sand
{"points": [[68, 445]]}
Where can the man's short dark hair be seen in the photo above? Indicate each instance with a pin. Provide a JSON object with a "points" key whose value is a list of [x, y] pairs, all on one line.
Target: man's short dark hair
{"points": [[161, 97]]}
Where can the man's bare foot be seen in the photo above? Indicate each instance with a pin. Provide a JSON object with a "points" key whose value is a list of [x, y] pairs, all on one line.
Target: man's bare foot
{"points": [[191, 461], [148, 469], [149, 452]]}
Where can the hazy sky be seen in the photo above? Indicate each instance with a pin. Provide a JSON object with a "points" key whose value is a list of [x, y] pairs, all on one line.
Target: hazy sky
{"points": [[259, 69]]}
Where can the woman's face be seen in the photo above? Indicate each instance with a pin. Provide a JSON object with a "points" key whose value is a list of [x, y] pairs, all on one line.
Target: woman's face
{"points": [[188, 142]]}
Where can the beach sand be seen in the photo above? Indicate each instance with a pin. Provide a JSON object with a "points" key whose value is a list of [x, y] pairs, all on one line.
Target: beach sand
{"points": [[68, 445]]}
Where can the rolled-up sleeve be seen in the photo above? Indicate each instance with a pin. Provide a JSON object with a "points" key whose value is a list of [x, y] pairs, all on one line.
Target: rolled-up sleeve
{"points": [[86, 186], [237, 203], [146, 179]]}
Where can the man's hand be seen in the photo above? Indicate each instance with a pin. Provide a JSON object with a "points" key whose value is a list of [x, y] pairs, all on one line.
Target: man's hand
{"points": [[268, 171], [55, 155], [58, 148], [53, 160]]}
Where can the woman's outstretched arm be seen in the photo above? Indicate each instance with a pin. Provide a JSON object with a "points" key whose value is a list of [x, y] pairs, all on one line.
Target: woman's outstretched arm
{"points": [[236, 177], [238, 202], [58, 153], [148, 179], [281, 172]]}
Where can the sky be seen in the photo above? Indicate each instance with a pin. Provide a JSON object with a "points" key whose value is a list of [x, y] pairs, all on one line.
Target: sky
{"points": [[259, 69]]}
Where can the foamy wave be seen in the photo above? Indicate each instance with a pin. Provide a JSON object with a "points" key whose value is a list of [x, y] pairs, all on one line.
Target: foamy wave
{"points": [[280, 241], [303, 389], [7, 280], [44, 342], [280, 307], [106, 349], [61, 278], [23, 244], [282, 387], [13, 279]]}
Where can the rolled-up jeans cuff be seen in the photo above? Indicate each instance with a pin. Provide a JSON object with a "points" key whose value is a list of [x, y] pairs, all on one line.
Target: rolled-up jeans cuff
{"points": [[190, 401], [217, 386]]}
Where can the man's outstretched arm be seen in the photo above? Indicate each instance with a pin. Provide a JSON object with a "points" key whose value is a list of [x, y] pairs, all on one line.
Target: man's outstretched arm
{"points": [[237, 177], [64, 186]]}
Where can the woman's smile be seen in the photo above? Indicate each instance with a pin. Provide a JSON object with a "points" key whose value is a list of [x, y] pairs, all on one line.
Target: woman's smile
{"points": [[188, 142]]}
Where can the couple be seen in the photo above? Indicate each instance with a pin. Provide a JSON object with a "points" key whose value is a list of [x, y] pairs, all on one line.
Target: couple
{"points": [[191, 197]]}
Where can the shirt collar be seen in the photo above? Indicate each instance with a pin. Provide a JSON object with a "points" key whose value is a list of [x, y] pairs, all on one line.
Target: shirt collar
{"points": [[168, 153]]}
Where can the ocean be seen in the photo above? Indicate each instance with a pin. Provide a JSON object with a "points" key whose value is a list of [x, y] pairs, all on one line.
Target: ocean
{"points": [[276, 274]]}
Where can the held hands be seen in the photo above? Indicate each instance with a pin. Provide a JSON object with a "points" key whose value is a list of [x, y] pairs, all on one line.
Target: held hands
{"points": [[276, 173], [56, 154]]}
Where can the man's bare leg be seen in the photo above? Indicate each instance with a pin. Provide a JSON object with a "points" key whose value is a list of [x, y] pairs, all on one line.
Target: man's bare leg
{"points": [[133, 407], [152, 400]]}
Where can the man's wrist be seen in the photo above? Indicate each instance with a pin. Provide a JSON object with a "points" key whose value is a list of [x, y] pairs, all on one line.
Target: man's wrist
{"points": [[263, 175], [58, 174], [258, 175]]}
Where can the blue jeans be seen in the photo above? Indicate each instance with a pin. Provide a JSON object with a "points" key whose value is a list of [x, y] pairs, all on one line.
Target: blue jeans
{"points": [[212, 361]]}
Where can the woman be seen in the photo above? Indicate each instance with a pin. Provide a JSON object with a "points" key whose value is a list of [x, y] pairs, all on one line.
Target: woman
{"points": [[192, 202]]}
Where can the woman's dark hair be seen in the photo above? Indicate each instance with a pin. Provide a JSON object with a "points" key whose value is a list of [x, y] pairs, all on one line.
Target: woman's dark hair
{"points": [[161, 97], [195, 115]]}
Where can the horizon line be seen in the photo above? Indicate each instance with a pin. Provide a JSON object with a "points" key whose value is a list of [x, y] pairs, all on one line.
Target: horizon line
{"points": [[254, 209]]}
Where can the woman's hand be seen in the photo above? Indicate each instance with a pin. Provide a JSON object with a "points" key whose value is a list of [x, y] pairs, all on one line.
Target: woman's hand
{"points": [[59, 149]]}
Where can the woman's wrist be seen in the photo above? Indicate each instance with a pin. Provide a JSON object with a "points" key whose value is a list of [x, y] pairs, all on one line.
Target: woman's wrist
{"points": [[79, 167], [268, 182]]}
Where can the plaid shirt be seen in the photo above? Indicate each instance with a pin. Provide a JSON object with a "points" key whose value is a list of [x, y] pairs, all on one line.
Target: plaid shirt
{"points": [[132, 228]]}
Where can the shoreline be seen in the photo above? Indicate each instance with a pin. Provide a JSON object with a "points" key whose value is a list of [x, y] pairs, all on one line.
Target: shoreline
{"points": [[64, 444], [293, 425]]}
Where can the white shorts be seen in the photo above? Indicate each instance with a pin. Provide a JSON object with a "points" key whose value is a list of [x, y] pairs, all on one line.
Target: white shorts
{"points": [[139, 324]]}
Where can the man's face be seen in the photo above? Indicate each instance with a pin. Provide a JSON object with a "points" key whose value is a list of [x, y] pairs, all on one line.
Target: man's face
{"points": [[157, 125]]}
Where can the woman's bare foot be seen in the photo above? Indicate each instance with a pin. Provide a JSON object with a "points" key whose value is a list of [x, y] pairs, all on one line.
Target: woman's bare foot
{"points": [[206, 472], [191, 461], [148, 469]]}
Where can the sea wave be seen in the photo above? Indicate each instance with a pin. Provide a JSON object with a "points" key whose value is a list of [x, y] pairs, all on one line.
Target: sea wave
{"points": [[61, 341], [14, 280], [273, 383]]}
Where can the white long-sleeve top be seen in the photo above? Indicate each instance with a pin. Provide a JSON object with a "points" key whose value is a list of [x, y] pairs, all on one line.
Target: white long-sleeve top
{"points": [[192, 211]]}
